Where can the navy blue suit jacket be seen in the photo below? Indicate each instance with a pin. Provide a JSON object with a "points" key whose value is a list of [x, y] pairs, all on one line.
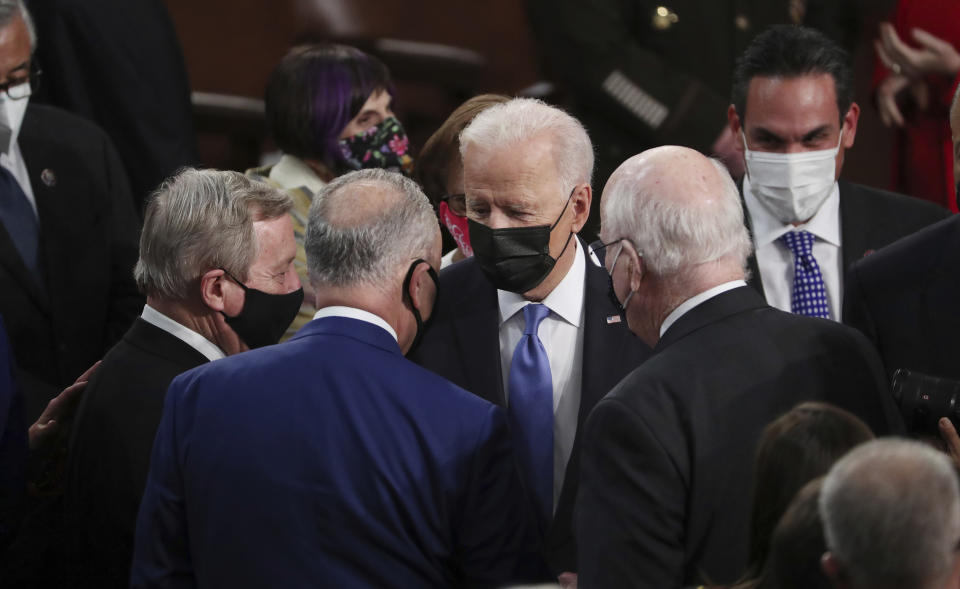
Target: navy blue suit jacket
{"points": [[13, 443], [327, 461]]}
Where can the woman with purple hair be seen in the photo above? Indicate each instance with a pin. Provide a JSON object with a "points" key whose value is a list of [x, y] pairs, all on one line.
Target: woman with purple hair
{"points": [[329, 110]]}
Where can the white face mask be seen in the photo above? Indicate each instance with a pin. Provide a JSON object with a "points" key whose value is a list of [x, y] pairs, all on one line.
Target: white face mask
{"points": [[11, 117], [792, 185]]}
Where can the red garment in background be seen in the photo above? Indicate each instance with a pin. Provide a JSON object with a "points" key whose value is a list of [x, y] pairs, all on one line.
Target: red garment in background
{"points": [[923, 149]]}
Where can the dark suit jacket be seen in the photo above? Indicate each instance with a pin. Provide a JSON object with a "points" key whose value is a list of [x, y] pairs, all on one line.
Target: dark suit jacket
{"points": [[668, 455], [462, 344], [327, 461], [905, 298], [88, 247], [870, 219], [110, 446]]}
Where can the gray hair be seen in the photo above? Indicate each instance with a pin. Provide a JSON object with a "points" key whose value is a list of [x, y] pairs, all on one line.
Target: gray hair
{"points": [[522, 119], [9, 9], [891, 514], [351, 247], [200, 220], [673, 234]]}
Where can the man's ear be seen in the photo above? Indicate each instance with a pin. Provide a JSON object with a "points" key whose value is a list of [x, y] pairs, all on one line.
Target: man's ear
{"points": [[635, 266], [833, 570], [850, 125], [422, 290], [211, 289], [580, 203], [733, 120]]}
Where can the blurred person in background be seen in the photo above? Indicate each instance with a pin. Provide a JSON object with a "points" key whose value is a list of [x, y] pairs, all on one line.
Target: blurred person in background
{"points": [[916, 66], [797, 544], [439, 170], [329, 108], [797, 447]]}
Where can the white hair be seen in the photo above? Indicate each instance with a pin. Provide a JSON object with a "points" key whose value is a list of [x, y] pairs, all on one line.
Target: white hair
{"points": [[522, 119], [675, 233], [200, 220], [10, 9], [369, 252], [891, 514]]}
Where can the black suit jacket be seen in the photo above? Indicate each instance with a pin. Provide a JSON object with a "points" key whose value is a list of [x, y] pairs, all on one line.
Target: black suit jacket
{"points": [[462, 344], [905, 298], [110, 447], [869, 220], [88, 247], [667, 460]]}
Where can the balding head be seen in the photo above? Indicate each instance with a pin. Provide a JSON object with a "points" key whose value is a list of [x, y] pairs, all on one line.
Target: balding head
{"points": [[366, 228], [891, 516], [678, 208]]}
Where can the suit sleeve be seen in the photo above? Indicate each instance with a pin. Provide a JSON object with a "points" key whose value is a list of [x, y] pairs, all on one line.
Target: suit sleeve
{"points": [[631, 505], [126, 301], [494, 525], [600, 56], [161, 555], [856, 312]]}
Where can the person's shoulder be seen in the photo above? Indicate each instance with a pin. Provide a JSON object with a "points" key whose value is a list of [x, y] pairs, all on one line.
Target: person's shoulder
{"points": [[911, 256], [879, 201]]}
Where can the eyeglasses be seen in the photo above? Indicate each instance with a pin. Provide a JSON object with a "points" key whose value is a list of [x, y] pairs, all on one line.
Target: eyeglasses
{"points": [[23, 87], [457, 203]]}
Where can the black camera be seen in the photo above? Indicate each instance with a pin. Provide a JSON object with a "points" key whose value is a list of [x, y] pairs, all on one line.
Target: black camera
{"points": [[924, 399]]}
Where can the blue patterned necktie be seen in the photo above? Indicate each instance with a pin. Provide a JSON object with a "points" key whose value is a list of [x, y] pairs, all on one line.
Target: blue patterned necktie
{"points": [[809, 293], [20, 222], [531, 411]]}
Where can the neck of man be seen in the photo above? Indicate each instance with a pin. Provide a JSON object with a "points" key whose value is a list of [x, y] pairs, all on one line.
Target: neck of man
{"points": [[193, 315], [557, 274], [372, 300]]}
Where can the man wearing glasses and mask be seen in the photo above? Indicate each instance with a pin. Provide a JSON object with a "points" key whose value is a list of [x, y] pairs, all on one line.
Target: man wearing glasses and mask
{"points": [[794, 114], [68, 240], [527, 322]]}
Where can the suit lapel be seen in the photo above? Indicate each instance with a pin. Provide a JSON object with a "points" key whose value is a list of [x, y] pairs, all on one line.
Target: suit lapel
{"points": [[476, 335], [854, 225]]}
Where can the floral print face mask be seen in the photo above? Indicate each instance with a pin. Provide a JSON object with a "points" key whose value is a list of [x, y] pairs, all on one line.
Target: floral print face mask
{"points": [[381, 146]]}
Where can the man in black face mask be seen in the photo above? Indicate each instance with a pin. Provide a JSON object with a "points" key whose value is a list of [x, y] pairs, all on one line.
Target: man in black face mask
{"points": [[216, 265], [377, 472], [527, 322]]}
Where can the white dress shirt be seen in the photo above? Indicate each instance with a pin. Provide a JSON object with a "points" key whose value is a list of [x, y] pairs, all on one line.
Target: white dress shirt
{"points": [[293, 172], [354, 313], [775, 259], [183, 333], [13, 162], [562, 336], [693, 301]]}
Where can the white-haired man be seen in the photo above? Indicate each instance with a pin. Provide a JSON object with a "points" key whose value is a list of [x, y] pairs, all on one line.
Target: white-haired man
{"points": [[891, 518], [216, 266], [667, 459], [331, 460], [527, 322]]}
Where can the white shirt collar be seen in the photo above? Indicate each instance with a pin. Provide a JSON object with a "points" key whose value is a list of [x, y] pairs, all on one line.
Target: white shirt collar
{"points": [[183, 333], [565, 300], [359, 314], [293, 172], [696, 300], [767, 228]]}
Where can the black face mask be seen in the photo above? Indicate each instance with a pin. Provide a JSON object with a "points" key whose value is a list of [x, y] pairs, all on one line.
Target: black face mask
{"points": [[406, 297], [264, 316], [515, 259]]}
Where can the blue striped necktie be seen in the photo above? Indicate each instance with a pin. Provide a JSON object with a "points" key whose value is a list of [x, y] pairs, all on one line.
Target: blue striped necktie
{"points": [[531, 411], [20, 222]]}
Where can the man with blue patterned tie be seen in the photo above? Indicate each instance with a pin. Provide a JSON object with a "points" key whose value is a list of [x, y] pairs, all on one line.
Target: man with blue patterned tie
{"points": [[794, 114], [667, 457], [527, 322]]}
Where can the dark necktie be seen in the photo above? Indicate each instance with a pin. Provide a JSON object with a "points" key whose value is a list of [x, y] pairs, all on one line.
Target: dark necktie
{"points": [[809, 293], [20, 222], [530, 409]]}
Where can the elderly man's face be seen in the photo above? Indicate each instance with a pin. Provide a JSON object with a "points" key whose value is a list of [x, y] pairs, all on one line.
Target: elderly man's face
{"points": [[517, 187], [14, 53], [790, 115], [272, 271]]}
